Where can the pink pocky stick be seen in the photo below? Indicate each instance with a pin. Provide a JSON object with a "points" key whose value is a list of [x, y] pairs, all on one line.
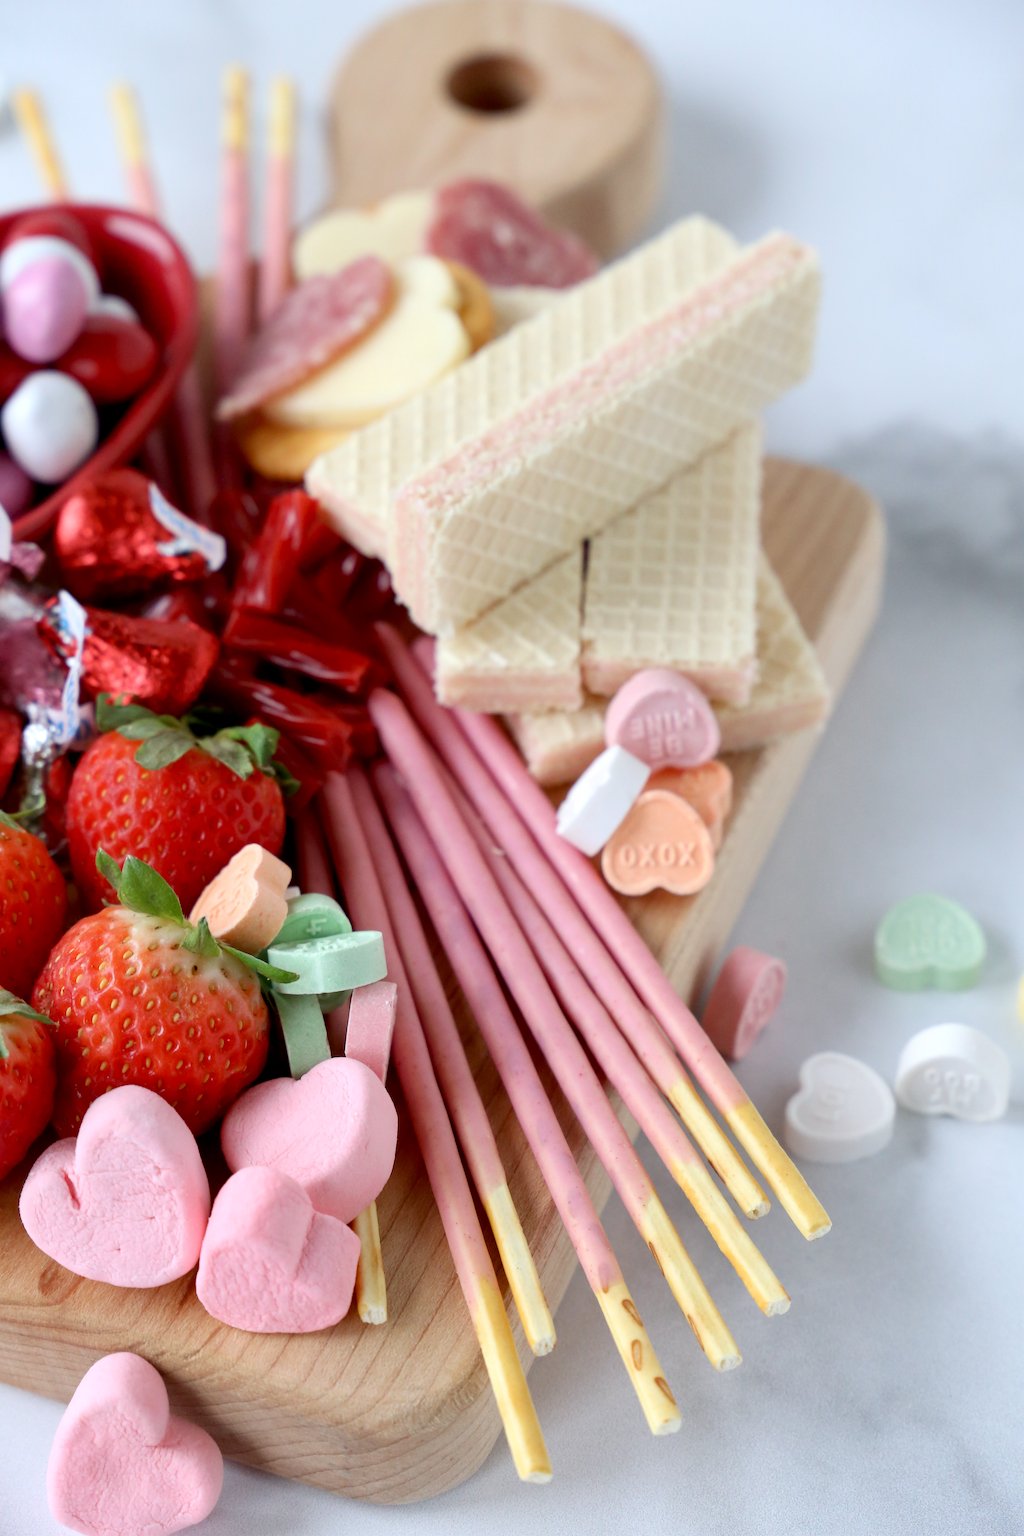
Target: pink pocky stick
{"points": [[275, 266], [433, 1130], [415, 967], [627, 1011], [530, 1103], [412, 756]]}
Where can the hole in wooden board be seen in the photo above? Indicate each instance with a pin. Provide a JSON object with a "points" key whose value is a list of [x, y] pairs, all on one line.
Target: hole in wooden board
{"points": [[491, 83]]}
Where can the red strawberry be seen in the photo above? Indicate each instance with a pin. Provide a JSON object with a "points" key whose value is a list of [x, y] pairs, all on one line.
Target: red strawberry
{"points": [[141, 996], [185, 804], [33, 906], [27, 1078]]}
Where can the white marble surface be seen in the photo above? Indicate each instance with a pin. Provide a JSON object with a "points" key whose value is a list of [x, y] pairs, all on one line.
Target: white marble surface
{"points": [[889, 1400]]}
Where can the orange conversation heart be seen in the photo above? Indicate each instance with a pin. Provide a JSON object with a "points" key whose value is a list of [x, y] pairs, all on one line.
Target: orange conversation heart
{"points": [[245, 904], [708, 788], [663, 843]]}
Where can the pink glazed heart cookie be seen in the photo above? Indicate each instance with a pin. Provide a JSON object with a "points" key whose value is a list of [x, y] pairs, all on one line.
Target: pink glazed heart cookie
{"points": [[662, 844], [270, 1262], [334, 1131], [127, 1201], [663, 718], [122, 1464]]}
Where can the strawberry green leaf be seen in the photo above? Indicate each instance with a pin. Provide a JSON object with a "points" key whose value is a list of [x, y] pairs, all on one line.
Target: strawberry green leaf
{"points": [[200, 941], [260, 739], [231, 753], [11, 1005], [109, 868], [139, 887], [261, 967], [164, 748]]}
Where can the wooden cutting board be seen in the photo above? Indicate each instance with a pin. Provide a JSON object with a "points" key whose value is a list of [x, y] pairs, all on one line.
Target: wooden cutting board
{"points": [[399, 1413]]}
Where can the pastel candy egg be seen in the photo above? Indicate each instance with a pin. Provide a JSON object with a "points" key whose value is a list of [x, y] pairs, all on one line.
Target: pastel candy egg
{"points": [[44, 309], [112, 358], [114, 307], [50, 426], [15, 487], [23, 252], [57, 224]]}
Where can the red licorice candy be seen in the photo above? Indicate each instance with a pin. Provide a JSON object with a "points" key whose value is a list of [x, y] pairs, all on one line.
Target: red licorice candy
{"points": [[295, 650], [291, 525], [330, 733]]}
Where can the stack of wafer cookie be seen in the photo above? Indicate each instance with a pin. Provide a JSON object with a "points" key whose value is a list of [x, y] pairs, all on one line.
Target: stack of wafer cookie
{"points": [[580, 500]]}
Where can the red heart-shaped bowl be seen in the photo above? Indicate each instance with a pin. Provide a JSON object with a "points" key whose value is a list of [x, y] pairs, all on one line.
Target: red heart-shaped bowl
{"points": [[138, 260]]}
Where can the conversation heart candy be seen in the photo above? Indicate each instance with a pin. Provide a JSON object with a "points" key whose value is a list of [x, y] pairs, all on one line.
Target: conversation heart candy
{"points": [[707, 787], [244, 904], [842, 1112], [747, 992], [663, 718], [44, 309], [335, 962], [271, 1263], [121, 1463], [928, 941], [334, 1131], [661, 844], [371, 1025], [952, 1069], [127, 1202], [50, 426], [304, 1028], [600, 798], [312, 916]]}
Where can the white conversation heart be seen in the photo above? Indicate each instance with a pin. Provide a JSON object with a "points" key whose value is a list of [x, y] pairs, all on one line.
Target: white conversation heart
{"points": [[601, 798], [952, 1069], [843, 1110]]}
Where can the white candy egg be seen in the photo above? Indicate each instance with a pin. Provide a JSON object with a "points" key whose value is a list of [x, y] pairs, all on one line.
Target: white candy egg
{"points": [[50, 426], [113, 305]]}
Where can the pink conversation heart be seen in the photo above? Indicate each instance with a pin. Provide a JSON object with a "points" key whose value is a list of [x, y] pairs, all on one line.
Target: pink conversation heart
{"points": [[270, 1262], [664, 719], [122, 1464], [371, 1025], [744, 998], [128, 1200], [334, 1131]]}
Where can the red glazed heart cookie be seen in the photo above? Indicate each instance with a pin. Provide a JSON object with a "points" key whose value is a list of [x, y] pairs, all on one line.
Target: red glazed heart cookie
{"points": [[662, 844]]}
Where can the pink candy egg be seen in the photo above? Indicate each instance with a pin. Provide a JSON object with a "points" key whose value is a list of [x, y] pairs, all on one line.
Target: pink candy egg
{"points": [[44, 309], [50, 426], [25, 251], [15, 487]]}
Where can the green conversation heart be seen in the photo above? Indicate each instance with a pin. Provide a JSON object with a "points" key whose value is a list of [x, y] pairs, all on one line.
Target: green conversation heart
{"points": [[305, 1034], [928, 941], [312, 916], [335, 963]]}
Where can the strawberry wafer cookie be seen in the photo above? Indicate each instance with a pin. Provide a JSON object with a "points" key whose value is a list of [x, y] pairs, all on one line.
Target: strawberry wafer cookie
{"points": [[674, 582], [524, 653]]}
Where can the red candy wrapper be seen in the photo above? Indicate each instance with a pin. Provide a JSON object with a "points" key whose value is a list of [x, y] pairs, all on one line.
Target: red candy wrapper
{"points": [[120, 536], [161, 664]]}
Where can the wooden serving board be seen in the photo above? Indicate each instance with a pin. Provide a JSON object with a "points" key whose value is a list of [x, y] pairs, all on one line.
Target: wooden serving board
{"points": [[402, 1412]]}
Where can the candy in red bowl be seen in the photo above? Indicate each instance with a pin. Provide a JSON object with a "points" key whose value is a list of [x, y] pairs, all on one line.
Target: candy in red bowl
{"points": [[138, 261]]}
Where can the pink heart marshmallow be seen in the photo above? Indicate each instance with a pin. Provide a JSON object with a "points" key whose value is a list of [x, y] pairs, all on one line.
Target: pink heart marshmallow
{"points": [[122, 1464], [334, 1130], [127, 1201], [270, 1262]]}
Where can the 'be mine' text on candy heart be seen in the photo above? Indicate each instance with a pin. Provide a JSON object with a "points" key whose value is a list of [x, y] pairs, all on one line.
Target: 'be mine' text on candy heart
{"points": [[662, 717], [928, 941], [334, 1130], [122, 1463], [127, 1202], [270, 1262], [662, 844], [842, 1112], [951, 1069]]}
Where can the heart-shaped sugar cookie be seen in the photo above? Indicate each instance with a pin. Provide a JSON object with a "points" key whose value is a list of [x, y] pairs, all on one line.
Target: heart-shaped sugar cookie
{"points": [[122, 1463], [127, 1201], [270, 1262], [334, 1131], [842, 1112], [393, 229], [662, 717], [662, 844], [245, 903], [952, 1069], [928, 941]]}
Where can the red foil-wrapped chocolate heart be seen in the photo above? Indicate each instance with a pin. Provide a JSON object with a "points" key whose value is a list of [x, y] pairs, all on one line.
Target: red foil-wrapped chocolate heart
{"points": [[119, 536], [149, 661]]}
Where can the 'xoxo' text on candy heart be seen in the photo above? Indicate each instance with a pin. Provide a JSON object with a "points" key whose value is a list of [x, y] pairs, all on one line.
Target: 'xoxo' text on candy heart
{"points": [[661, 843]]}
